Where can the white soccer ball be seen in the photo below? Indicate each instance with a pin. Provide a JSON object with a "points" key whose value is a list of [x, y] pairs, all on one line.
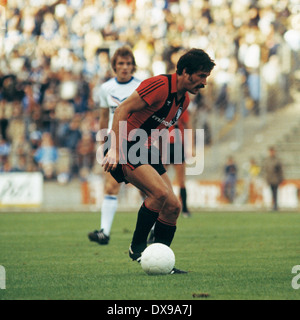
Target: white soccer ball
{"points": [[158, 259]]}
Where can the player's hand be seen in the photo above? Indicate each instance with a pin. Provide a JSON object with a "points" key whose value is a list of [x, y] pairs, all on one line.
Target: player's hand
{"points": [[110, 161]]}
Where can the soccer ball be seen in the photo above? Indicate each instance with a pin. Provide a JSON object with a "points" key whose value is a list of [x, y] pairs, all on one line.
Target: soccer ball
{"points": [[157, 259]]}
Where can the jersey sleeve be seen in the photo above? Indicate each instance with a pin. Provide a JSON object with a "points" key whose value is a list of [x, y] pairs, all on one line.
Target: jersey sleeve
{"points": [[154, 90], [102, 98]]}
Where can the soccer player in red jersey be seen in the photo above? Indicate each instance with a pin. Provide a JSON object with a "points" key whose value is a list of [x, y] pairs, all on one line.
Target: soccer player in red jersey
{"points": [[157, 103]]}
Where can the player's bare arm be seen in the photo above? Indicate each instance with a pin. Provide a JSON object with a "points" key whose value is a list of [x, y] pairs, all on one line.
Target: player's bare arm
{"points": [[132, 104]]}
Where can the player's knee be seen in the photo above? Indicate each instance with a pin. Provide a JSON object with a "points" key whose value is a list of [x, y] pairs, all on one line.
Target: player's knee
{"points": [[161, 195], [172, 207], [176, 208]]}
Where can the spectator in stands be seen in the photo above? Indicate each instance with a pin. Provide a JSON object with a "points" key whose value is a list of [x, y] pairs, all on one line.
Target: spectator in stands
{"points": [[86, 151], [35, 138], [21, 165], [71, 138], [254, 168], [6, 168], [20, 152], [273, 173], [4, 151], [230, 171], [46, 156], [3, 121]]}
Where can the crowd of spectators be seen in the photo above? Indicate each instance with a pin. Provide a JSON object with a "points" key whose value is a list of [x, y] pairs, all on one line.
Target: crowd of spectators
{"points": [[55, 54]]}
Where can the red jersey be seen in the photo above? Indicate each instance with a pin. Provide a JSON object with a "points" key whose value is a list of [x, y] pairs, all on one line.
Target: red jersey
{"points": [[180, 124], [163, 110]]}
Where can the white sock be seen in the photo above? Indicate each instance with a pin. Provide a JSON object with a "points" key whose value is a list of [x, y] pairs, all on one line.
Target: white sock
{"points": [[108, 210]]}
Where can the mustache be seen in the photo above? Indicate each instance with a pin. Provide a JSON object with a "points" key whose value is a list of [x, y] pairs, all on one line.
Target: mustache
{"points": [[201, 86]]}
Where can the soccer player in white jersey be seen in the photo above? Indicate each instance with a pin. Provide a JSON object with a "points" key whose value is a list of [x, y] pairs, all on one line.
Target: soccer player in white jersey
{"points": [[110, 96]]}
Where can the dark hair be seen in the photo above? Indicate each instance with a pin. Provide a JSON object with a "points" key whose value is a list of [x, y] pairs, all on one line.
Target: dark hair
{"points": [[195, 60], [123, 52]]}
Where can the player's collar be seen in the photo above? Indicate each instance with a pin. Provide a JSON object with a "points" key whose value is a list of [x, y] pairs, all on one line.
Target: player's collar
{"points": [[123, 82], [174, 82]]}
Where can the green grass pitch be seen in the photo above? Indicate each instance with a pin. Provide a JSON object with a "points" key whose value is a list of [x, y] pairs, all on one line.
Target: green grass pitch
{"points": [[230, 256]]}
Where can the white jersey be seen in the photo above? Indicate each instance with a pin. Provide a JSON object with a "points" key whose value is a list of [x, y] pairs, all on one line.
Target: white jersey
{"points": [[112, 93]]}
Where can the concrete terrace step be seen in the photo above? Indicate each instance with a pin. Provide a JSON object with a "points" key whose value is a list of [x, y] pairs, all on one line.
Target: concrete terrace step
{"points": [[280, 128]]}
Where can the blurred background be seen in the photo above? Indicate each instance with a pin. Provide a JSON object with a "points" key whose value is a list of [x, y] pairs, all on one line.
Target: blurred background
{"points": [[54, 55]]}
